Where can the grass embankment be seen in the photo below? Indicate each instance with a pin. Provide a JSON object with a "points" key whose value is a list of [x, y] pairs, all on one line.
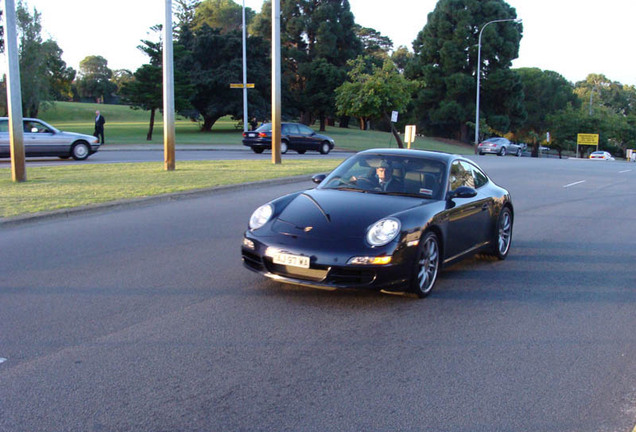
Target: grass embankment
{"points": [[54, 188], [63, 187]]}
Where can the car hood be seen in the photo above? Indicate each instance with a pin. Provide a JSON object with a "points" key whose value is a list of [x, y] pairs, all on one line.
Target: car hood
{"points": [[337, 214], [75, 135]]}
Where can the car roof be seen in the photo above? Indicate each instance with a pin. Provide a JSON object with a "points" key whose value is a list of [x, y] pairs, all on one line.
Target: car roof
{"points": [[440, 156]]}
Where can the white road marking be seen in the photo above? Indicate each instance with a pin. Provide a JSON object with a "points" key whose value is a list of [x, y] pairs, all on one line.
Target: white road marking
{"points": [[2, 359], [574, 184], [624, 171]]}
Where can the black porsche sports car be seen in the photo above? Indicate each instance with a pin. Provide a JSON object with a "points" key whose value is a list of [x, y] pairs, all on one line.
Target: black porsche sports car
{"points": [[351, 232]]}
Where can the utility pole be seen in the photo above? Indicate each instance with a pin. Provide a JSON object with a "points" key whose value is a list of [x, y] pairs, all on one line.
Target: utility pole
{"points": [[245, 117], [168, 92], [276, 87], [14, 95]]}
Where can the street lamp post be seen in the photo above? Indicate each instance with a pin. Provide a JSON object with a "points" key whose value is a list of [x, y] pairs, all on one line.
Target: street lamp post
{"points": [[479, 75]]}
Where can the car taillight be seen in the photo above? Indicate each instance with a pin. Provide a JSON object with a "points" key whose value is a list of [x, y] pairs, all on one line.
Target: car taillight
{"points": [[262, 135]]}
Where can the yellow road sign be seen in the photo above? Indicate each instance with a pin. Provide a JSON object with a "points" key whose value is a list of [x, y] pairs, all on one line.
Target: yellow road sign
{"points": [[587, 139], [239, 85]]}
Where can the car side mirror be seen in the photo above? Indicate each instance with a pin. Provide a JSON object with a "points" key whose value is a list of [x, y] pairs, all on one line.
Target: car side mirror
{"points": [[462, 192], [318, 178]]}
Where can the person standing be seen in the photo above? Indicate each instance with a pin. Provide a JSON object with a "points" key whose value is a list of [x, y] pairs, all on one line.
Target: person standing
{"points": [[99, 127]]}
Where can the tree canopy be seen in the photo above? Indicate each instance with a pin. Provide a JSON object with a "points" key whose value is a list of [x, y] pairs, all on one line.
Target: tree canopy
{"points": [[445, 62]]}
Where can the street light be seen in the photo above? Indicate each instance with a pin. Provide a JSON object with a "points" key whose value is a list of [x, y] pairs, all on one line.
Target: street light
{"points": [[479, 74]]}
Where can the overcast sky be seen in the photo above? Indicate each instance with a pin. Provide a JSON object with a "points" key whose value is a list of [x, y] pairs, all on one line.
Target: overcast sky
{"points": [[571, 37]]}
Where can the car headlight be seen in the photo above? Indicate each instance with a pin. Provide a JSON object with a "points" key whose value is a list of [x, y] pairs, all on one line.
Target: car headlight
{"points": [[260, 216], [383, 231]]}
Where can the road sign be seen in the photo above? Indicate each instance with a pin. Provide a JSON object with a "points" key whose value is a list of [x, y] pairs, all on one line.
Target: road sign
{"points": [[239, 85], [587, 139], [394, 116], [409, 134]]}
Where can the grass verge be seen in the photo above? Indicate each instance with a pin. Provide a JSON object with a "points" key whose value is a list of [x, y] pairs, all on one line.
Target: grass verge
{"points": [[53, 188]]}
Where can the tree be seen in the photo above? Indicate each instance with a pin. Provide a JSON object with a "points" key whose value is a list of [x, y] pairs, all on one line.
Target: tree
{"points": [[310, 30], [401, 57], [43, 74], [445, 62], [319, 93], [145, 91], [61, 77], [224, 15], [547, 93], [374, 94], [144, 88], [210, 76], [373, 43], [95, 79]]}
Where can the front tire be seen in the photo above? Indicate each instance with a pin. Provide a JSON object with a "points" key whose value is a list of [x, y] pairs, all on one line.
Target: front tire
{"points": [[80, 151], [426, 266], [503, 234], [325, 148]]}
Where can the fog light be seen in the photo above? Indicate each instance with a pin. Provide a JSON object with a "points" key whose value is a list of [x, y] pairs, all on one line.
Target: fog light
{"points": [[362, 260], [249, 244]]}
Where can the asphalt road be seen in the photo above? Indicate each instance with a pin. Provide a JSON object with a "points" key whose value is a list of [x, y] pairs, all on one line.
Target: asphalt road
{"points": [[142, 318]]}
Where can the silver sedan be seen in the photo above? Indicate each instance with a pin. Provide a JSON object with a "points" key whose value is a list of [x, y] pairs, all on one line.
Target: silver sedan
{"points": [[42, 139]]}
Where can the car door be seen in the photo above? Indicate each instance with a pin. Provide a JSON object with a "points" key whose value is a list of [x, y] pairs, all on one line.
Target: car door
{"points": [[308, 137], [41, 140], [4, 138], [292, 134], [467, 217]]}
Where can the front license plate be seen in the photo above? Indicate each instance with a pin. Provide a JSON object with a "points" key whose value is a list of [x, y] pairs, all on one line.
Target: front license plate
{"points": [[291, 260]]}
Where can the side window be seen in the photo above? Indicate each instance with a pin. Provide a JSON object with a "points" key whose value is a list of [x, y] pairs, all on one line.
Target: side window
{"points": [[290, 129], [480, 177], [460, 176], [4, 126], [305, 130]]}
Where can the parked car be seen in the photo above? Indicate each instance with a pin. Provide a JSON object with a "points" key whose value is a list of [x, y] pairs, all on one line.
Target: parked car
{"points": [[349, 233], [42, 139], [294, 136], [500, 146], [601, 155]]}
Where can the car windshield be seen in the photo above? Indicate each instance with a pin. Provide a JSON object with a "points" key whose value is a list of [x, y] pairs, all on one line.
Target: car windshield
{"points": [[388, 174]]}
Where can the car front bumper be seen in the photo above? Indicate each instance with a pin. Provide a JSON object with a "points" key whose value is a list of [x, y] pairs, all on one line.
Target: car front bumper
{"points": [[327, 270]]}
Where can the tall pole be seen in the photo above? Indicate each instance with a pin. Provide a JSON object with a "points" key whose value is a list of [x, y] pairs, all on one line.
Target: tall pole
{"points": [[168, 92], [276, 87], [245, 118], [14, 95], [479, 76]]}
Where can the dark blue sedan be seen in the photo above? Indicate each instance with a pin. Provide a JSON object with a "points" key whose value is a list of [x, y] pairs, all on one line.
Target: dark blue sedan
{"points": [[294, 136]]}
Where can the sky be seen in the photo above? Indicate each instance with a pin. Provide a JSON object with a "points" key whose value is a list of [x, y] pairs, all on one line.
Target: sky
{"points": [[571, 37]]}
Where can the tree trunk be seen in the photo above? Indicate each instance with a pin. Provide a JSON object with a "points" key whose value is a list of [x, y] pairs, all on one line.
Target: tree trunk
{"points": [[152, 124], [344, 122], [323, 122], [208, 122], [463, 137]]}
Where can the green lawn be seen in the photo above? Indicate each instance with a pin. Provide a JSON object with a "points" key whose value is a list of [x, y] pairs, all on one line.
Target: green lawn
{"points": [[63, 187], [127, 126]]}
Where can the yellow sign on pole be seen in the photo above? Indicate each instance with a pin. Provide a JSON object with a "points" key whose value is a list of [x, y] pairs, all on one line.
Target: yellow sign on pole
{"points": [[587, 139], [409, 135], [239, 85]]}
